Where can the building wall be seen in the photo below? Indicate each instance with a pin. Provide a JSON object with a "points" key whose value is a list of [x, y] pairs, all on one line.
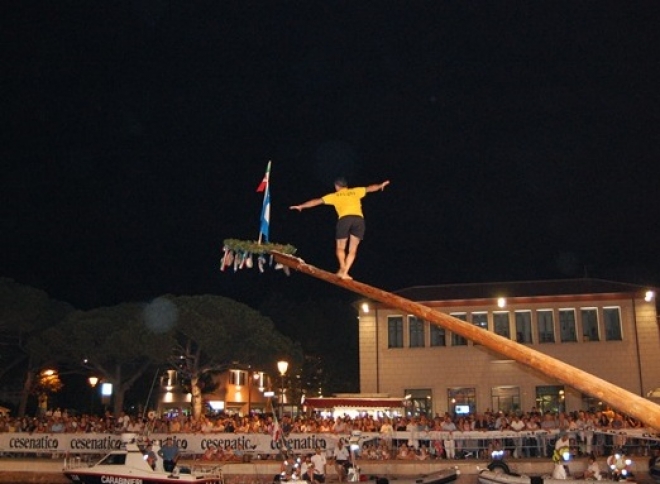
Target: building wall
{"points": [[632, 363], [648, 333], [368, 356]]}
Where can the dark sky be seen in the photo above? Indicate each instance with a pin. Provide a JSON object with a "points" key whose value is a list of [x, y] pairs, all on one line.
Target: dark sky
{"points": [[521, 140]]}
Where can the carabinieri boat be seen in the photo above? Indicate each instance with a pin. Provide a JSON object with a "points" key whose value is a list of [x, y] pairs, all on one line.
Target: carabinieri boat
{"points": [[129, 466]]}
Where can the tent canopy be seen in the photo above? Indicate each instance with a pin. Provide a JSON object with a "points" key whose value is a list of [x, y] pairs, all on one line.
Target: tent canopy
{"points": [[356, 402]]}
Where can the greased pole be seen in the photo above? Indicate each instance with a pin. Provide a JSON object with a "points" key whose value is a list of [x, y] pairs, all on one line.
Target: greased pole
{"points": [[627, 402]]}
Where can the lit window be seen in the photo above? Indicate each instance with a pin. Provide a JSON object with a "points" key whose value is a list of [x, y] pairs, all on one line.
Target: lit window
{"points": [[612, 320], [589, 324], [501, 324], [524, 327], [395, 332], [416, 332], [546, 326], [437, 335], [567, 325], [457, 339]]}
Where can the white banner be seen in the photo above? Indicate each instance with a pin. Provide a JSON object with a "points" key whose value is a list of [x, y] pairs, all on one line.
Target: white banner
{"points": [[92, 443]]}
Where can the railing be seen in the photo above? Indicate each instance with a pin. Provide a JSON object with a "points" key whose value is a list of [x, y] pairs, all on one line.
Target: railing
{"points": [[262, 446]]}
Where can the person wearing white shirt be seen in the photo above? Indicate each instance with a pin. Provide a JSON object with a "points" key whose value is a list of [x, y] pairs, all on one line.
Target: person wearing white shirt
{"points": [[517, 425], [319, 461], [593, 469], [341, 460], [449, 443]]}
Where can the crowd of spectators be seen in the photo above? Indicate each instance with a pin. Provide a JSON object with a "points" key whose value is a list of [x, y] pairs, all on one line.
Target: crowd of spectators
{"points": [[581, 427]]}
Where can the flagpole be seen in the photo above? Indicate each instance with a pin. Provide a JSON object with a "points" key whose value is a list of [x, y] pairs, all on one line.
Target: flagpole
{"points": [[265, 209]]}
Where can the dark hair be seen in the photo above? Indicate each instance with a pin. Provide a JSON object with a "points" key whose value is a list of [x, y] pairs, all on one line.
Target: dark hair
{"points": [[341, 181]]}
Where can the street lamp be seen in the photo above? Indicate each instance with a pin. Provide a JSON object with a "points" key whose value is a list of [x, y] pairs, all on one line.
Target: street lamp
{"points": [[282, 367], [93, 380]]}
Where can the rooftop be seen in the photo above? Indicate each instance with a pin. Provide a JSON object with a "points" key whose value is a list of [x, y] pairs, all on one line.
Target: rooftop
{"points": [[491, 290]]}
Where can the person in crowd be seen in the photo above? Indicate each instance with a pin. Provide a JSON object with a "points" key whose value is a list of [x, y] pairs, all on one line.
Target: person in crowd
{"points": [[169, 452], [152, 458], [548, 424], [307, 473], [562, 441], [341, 460], [593, 469], [57, 425], [287, 469], [211, 453], [517, 425], [386, 433], [304, 463], [533, 443], [319, 460], [449, 444], [423, 453], [405, 452]]}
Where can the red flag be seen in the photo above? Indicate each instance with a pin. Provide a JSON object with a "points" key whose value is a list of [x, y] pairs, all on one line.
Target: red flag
{"points": [[277, 431], [264, 183]]}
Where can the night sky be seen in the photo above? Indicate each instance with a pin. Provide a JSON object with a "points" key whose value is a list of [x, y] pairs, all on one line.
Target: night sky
{"points": [[521, 140]]}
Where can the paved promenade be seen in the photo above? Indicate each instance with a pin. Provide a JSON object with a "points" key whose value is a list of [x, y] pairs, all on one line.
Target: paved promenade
{"points": [[49, 471]]}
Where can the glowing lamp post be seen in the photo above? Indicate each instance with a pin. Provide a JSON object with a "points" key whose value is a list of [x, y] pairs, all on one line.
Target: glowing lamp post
{"points": [[93, 380], [282, 367]]}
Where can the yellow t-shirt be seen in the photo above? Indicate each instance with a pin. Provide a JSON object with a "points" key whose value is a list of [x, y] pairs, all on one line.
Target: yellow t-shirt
{"points": [[346, 201]]}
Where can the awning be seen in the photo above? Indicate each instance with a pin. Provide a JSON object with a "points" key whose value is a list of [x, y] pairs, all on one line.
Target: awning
{"points": [[357, 402]]}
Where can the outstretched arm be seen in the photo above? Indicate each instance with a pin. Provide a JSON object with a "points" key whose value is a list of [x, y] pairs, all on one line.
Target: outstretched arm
{"points": [[309, 204], [378, 186]]}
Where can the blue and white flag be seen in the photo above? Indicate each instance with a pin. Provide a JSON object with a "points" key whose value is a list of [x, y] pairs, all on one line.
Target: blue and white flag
{"points": [[264, 186]]}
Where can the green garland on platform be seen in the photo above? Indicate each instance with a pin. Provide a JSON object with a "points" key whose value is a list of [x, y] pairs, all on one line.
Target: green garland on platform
{"points": [[239, 254], [254, 247]]}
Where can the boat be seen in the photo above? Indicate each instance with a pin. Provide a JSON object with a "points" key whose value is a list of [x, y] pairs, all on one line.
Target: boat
{"points": [[654, 468], [498, 471], [442, 476], [129, 466], [439, 477], [497, 477]]}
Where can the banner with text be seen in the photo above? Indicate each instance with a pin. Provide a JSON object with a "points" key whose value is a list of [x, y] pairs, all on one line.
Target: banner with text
{"points": [[196, 444]]}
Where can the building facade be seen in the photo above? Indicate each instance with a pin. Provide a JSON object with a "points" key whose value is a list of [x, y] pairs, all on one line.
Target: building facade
{"points": [[235, 391], [605, 328]]}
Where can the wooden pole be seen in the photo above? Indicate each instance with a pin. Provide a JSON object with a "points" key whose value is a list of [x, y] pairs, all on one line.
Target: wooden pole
{"points": [[628, 402]]}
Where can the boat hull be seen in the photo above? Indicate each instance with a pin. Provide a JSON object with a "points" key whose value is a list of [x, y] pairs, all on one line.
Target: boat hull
{"points": [[84, 477], [490, 477], [440, 477], [654, 472]]}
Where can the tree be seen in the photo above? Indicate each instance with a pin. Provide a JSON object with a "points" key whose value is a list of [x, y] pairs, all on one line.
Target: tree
{"points": [[24, 313], [212, 332], [115, 343]]}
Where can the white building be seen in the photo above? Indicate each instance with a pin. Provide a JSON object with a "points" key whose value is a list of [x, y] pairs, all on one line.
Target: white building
{"points": [[605, 328]]}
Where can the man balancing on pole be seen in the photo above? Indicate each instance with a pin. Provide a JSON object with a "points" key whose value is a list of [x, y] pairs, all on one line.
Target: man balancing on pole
{"points": [[350, 226]]}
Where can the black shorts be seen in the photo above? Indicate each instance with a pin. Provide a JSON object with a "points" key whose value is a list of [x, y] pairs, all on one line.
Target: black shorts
{"points": [[350, 225]]}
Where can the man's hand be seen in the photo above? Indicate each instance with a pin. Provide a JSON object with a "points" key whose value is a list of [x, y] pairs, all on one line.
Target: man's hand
{"points": [[378, 186], [296, 207]]}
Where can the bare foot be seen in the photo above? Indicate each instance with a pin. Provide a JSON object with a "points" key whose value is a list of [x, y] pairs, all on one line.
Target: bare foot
{"points": [[345, 276]]}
